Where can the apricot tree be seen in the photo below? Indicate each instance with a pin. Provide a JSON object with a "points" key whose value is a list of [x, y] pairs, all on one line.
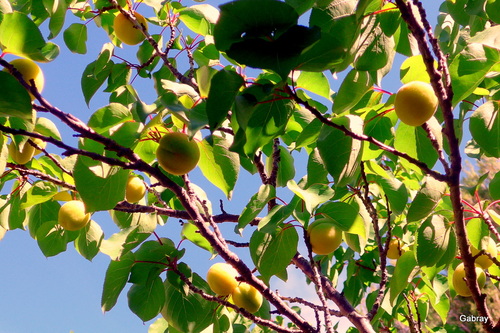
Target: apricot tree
{"points": [[252, 83]]}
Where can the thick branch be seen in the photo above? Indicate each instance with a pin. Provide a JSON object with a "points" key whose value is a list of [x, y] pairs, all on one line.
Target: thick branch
{"points": [[444, 92]]}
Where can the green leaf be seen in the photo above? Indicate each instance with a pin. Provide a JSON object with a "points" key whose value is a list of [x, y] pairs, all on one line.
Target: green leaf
{"points": [[313, 196], [89, 240], [20, 35], [432, 240], [469, 69], [485, 127], [414, 141], [199, 18], [130, 237], [192, 233], [256, 204], [316, 83], [224, 86], [340, 152], [276, 216], [115, 280], [426, 199], [477, 230], [151, 259], [400, 278], [46, 127], [260, 122], [494, 187], [450, 252], [47, 211], [15, 100], [57, 17], [51, 238], [93, 177], [160, 325], [219, 165], [396, 193], [413, 69], [376, 50], [109, 116], [345, 216], [263, 34], [188, 312], [146, 301], [75, 37], [272, 253], [355, 85], [40, 192], [93, 77]]}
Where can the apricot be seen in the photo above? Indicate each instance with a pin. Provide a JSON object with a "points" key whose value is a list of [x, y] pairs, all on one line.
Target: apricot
{"points": [[415, 103], [72, 215], [177, 154], [459, 283], [221, 278], [135, 189], [324, 236], [126, 31], [247, 297]]}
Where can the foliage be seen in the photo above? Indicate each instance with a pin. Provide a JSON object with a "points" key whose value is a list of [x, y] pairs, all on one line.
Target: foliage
{"points": [[251, 83]]}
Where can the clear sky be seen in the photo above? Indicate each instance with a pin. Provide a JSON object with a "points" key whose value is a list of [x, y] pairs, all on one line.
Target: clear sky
{"points": [[62, 293]]}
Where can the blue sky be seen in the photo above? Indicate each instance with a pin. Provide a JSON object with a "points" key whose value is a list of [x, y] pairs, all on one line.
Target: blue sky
{"points": [[62, 293]]}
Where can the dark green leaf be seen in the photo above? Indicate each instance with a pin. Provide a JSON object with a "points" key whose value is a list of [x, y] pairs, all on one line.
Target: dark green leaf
{"points": [[224, 86], [485, 127], [340, 152], [426, 200], [404, 266], [256, 204], [345, 216], [272, 253], [115, 280], [93, 177], [355, 85], [89, 240], [51, 238], [432, 240], [15, 100], [146, 301], [494, 187], [218, 164], [93, 77], [469, 68], [75, 37], [188, 313]]}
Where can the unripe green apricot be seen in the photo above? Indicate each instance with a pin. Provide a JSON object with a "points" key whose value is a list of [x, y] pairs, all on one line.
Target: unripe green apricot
{"points": [[22, 156], [415, 103], [177, 154], [459, 283], [324, 236], [247, 297], [221, 278]]}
